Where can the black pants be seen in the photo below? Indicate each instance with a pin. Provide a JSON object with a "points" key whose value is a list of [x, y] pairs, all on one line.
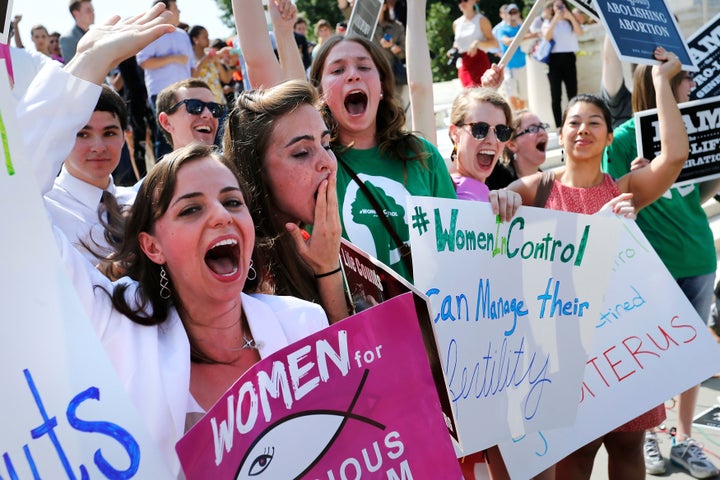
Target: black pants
{"points": [[561, 69]]}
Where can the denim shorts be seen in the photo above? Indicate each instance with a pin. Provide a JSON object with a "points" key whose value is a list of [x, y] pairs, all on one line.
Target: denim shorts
{"points": [[699, 290]]}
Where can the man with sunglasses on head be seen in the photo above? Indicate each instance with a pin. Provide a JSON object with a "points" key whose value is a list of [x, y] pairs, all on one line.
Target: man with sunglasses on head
{"points": [[187, 113]]}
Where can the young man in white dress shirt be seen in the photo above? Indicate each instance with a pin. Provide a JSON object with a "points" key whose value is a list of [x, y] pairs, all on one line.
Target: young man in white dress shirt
{"points": [[75, 201]]}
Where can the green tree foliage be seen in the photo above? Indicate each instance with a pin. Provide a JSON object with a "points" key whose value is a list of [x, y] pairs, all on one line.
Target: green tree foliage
{"points": [[440, 39]]}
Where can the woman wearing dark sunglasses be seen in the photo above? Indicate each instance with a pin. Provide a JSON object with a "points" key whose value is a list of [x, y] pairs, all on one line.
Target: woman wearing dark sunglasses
{"points": [[479, 130], [524, 152]]}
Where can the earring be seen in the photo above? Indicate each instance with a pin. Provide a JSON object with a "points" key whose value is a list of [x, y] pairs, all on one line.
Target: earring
{"points": [[382, 95], [453, 154], [252, 274], [164, 282], [562, 155]]}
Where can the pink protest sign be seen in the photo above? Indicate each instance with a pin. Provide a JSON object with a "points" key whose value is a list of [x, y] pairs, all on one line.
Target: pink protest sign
{"points": [[356, 400]]}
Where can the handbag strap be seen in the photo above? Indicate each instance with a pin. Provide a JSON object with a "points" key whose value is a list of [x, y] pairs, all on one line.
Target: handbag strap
{"points": [[403, 247], [544, 188]]}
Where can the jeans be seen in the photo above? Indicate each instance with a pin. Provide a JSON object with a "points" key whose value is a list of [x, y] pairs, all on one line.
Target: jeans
{"points": [[699, 290]]}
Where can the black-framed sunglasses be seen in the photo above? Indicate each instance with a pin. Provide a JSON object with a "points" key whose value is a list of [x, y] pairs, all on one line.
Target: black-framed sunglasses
{"points": [[480, 130], [535, 128], [195, 107]]}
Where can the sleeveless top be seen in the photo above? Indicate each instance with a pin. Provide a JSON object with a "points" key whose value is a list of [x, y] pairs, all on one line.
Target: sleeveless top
{"points": [[467, 31], [582, 200]]}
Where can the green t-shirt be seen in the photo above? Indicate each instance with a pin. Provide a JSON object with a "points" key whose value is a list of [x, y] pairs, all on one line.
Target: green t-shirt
{"points": [[675, 224], [391, 181]]}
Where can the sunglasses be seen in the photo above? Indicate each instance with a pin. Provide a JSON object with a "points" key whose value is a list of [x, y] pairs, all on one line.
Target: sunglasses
{"points": [[533, 129], [480, 130], [513, 12], [196, 107]]}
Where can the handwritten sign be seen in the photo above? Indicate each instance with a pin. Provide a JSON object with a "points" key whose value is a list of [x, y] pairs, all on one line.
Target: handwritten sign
{"points": [[650, 345], [637, 27], [64, 412], [364, 18], [704, 48], [514, 308], [356, 400], [702, 122]]}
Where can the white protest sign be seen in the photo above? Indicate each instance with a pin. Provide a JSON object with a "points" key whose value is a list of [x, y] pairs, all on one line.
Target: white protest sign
{"points": [[650, 345], [515, 306], [65, 413]]}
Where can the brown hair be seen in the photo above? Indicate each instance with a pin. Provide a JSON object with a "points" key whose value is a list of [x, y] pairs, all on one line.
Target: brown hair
{"points": [[151, 203], [75, 5], [643, 96], [391, 136], [246, 141]]}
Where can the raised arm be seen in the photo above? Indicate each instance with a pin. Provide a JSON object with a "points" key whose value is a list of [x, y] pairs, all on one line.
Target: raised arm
{"points": [[75, 91], [263, 67], [283, 14], [649, 183], [417, 60], [612, 71], [18, 40]]}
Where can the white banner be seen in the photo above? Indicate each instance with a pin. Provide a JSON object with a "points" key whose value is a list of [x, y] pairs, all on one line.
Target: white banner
{"points": [[515, 306], [65, 413]]}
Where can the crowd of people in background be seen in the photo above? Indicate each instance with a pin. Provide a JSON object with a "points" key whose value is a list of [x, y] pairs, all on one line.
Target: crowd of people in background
{"points": [[318, 129]]}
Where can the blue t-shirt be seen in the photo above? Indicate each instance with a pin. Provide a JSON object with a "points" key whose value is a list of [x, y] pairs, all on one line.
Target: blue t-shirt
{"points": [[518, 58]]}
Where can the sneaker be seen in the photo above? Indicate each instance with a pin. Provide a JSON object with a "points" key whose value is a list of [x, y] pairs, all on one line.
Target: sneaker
{"points": [[689, 455], [654, 461]]}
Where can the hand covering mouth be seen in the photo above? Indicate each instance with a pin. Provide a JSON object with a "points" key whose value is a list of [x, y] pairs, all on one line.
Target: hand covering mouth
{"points": [[223, 257], [356, 102]]}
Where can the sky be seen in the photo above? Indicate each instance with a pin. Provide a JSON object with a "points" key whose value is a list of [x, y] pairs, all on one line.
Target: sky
{"points": [[55, 16]]}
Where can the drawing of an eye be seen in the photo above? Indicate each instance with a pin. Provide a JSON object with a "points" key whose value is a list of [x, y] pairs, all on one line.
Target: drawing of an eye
{"points": [[318, 429], [261, 462]]}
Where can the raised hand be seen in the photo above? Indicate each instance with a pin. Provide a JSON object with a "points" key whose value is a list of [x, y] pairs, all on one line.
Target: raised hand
{"points": [[106, 45]]}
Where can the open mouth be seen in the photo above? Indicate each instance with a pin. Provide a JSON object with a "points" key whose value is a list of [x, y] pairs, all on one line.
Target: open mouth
{"points": [[485, 159], [223, 257], [204, 129], [541, 146], [356, 103]]}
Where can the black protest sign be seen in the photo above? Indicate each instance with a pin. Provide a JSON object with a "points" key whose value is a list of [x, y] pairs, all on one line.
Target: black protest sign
{"points": [[702, 121], [5, 17], [364, 18], [705, 53]]}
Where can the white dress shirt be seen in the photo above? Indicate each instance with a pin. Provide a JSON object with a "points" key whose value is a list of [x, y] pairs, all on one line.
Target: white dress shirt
{"points": [[73, 207]]}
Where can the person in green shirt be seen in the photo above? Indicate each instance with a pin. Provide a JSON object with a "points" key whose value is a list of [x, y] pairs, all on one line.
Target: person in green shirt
{"points": [[678, 229], [368, 137]]}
